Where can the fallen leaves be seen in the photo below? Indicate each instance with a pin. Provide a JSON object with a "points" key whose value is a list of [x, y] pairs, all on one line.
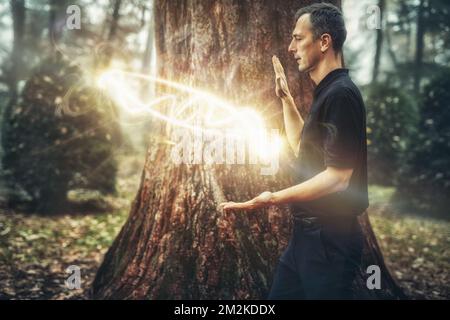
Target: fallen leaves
{"points": [[416, 249], [36, 250]]}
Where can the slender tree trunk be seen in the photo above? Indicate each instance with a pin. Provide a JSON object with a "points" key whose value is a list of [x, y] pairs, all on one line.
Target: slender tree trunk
{"points": [[15, 72], [57, 20], [148, 53], [379, 43], [115, 20], [390, 50], [107, 52], [148, 88], [18, 17], [175, 243], [419, 46], [147, 58]]}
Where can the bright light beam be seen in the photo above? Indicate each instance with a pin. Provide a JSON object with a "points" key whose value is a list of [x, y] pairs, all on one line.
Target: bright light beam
{"points": [[199, 111]]}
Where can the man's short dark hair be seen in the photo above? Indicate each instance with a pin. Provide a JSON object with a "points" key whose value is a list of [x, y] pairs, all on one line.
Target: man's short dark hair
{"points": [[326, 18]]}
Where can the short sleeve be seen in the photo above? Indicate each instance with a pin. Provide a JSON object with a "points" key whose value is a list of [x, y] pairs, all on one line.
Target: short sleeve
{"points": [[343, 122]]}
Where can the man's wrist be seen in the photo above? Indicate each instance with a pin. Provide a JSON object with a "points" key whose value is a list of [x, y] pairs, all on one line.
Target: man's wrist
{"points": [[287, 98]]}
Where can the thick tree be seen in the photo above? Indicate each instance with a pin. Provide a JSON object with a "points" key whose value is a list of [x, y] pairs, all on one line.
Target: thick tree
{"points": [[175, 243]]}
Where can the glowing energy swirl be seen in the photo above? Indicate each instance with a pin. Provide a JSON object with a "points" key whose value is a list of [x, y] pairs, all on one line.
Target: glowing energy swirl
{"points": [[189, 108]]}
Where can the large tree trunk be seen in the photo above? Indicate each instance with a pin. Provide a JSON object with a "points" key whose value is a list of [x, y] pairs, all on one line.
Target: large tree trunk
{"points": [[175, 243]]}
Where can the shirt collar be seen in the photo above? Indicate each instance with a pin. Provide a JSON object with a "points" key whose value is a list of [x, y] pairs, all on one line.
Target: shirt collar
{"points": [[329, 78]]}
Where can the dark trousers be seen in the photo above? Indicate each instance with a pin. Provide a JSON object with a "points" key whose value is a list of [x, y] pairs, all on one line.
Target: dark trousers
{"points": [[321, 260]]}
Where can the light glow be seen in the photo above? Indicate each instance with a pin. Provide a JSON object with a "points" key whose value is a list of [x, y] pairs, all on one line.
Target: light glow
{"points": [[189, 108]]}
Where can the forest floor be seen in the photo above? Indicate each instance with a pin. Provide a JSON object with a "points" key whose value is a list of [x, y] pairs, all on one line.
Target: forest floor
{"points": [[35, 251]]}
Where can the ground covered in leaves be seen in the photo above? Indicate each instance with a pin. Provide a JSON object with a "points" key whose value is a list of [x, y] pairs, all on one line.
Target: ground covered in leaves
{"points": [[35, 251]]}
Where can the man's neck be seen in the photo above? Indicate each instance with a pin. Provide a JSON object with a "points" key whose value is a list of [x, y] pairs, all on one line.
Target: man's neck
{"points": [[325, 67]]}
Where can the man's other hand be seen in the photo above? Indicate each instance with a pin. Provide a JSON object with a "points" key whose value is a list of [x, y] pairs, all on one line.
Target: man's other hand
{"points": [[263, 200]]}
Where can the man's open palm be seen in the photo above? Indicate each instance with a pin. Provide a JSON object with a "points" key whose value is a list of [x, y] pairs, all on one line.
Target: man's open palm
{"points": [[261, 201], [281, 86]]}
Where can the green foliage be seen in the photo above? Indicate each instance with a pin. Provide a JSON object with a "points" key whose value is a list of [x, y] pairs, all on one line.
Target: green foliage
{"points": [[425, 180], [391, 122], [401, 33], [416, 250], [59, 136]]}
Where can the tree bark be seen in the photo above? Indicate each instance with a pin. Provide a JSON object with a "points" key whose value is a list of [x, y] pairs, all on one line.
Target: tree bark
{"points": [[175, 243]]}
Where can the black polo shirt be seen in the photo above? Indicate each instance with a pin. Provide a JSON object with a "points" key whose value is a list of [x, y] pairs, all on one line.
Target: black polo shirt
{"points": [[334, 134]]}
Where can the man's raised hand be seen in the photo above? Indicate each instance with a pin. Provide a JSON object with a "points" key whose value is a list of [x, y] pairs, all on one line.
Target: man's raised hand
{"points": [[281, 86]]}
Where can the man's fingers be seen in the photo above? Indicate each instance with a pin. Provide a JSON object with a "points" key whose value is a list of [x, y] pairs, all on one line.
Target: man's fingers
{"points": [[238, 205], [280, 91], [274, 60], [278, 65], [235, 206], [228, 205], [280, 77], [275, 65]]}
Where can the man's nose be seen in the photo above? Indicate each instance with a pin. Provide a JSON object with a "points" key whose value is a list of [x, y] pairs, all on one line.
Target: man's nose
{"points": [[291, 47]]}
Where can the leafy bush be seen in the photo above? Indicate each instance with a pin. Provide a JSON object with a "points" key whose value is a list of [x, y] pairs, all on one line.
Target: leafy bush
{"points": [[391, 122], [425, 180], [59, 136]]}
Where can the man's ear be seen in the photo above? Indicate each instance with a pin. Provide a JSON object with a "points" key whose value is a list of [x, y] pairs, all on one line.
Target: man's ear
{"points": [[325, 42]]}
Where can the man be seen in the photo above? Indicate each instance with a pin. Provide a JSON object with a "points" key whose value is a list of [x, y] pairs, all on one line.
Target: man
{"points": [[324, 252]]}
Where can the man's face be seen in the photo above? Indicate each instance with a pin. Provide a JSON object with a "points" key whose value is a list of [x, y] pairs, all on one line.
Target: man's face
{"points": [[305, 49]]}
